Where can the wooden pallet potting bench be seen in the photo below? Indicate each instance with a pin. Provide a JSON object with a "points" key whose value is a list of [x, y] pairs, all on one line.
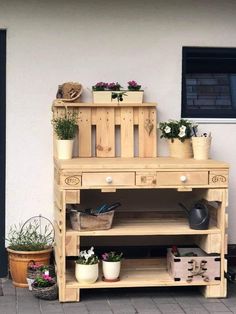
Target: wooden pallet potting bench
{"points": [[102, 163]]}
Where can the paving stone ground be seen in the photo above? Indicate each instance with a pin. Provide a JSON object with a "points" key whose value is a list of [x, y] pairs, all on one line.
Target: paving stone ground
{"points": [[118, 301]]}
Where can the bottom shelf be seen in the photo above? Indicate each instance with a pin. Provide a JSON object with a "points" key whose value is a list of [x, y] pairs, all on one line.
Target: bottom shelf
{"points": [[135, 273]]}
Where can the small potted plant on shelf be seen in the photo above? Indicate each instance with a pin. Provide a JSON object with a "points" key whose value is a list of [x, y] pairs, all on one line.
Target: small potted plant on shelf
{"points": [[31, 241], [65, 129], [113, 93], [111, 263], [86, 267], [45, 287], [179, 134]]}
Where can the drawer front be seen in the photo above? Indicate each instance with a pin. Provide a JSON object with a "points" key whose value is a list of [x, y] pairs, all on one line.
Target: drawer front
{"points": [[180, 178], [108, 179], [146, 178]]}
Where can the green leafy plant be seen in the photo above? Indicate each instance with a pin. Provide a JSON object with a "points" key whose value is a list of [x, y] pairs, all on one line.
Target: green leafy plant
{"points": [[182, 129], [112, 257], [118, 96], [87, 257], [65, 127], [32, 237]]}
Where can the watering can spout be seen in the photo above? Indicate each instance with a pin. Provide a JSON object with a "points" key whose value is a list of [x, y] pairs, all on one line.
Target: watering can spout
{"points": [[184, 208]]}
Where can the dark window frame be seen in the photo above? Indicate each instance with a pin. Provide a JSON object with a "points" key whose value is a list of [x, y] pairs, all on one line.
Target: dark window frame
{"points": [[187, 53], [3, 255]]}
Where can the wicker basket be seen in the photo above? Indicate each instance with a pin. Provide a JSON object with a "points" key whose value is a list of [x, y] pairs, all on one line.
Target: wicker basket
{"points": [[84, 222], [45, 293], [201, 147]]}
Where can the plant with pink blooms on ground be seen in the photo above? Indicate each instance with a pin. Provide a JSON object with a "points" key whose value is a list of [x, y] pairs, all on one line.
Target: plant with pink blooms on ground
{"points": [[43, 281]]}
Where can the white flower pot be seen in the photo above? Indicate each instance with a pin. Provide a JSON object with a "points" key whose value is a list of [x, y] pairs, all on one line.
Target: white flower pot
{"points": [[30, 281], [130, 97], [86, 273], [64, 149], [111, 270]]}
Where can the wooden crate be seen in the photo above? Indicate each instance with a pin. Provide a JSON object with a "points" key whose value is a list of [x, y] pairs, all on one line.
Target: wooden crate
{"points": [[193, 268], [129, 97]]}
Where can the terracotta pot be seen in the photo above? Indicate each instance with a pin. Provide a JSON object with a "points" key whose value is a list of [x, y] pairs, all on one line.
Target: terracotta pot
{"points": [[180, 149], [111, 270], [64, 149], [86, 273], [18, 263]]}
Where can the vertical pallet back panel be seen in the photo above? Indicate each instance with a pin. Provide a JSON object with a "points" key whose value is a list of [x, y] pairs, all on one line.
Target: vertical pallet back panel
{"points": [[104, 119], [147, 132], [127, 132], [105, 132]]}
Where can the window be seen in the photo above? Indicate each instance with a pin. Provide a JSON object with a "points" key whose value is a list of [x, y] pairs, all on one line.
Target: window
{"points": [[209, 83]]}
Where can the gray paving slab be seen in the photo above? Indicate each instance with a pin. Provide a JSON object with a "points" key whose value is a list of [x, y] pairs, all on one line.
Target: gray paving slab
{"points": [[215, 307], [118, 301], [170, 308]]}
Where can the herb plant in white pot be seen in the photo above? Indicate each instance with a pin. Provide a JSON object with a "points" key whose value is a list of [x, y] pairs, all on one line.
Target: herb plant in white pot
{"points": [[111, 263], [65, 129], [178, 134], [86, 267]]}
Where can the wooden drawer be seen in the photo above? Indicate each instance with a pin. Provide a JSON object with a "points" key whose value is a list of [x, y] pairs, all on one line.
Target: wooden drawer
{"points": [[180, 178], [108, 179]]}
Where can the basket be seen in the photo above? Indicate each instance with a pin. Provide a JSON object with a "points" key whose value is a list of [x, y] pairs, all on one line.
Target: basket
{"points": [[201, 147], [69, 91], [45, 293], [84, 222]]}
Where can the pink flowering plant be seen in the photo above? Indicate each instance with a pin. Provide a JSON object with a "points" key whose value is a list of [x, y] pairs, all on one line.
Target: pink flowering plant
{"points": [[87, 257], [43, 281], [112, 256], [102, 86], [182, 129], [133, 86]]}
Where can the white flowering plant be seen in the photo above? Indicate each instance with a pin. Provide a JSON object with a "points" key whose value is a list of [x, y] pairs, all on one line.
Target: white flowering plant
{"points": [[87, 257], [181, 129]]}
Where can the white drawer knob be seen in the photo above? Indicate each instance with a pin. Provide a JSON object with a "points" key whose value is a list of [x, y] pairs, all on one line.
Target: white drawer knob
{"points": [[108, 179], [183, 178]]}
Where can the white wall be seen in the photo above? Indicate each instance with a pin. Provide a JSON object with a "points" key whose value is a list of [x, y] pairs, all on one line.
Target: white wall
{"points": [[50, 42]]}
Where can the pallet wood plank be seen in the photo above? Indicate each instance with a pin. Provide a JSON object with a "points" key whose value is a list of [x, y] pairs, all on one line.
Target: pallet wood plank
{"points": [[127, 132], [105, 132], [85, 132], [147, 132]]}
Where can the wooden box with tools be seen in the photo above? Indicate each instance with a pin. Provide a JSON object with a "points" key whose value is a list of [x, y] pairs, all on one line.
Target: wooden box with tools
{"points": [[193, 264]]}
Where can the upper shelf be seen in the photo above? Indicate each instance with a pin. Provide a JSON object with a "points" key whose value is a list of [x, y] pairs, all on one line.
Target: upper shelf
{"points": [[147, 226], [60, 103]]}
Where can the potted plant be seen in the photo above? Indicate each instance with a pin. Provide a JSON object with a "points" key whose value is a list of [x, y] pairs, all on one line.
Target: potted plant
{"points": [[65, 129], [113, 93], [86, 267], [36, 269], [111, 263], [45, 287], [178, 133], [28, 242]]}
